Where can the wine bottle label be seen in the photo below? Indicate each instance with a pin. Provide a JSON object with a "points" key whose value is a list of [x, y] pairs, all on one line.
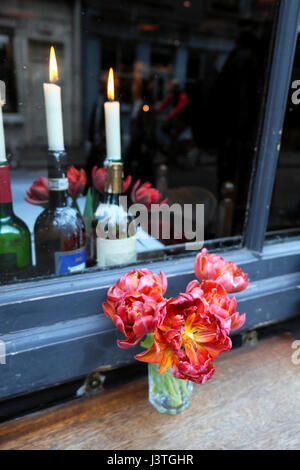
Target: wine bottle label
{"points": [[70, 261], [114, 252], [58, 184], [5, 190]]}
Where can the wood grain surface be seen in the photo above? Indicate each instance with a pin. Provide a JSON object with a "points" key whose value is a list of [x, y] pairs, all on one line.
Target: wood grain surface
{"points": [[251, 403]]}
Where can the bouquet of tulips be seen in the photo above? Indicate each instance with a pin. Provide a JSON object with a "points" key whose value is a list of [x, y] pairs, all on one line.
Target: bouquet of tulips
{"points": [[38, 193], [185, 334]]}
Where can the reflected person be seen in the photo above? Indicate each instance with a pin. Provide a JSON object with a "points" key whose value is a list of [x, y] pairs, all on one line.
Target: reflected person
{"points": [[140, 154], [232, 114], [178, 119]]}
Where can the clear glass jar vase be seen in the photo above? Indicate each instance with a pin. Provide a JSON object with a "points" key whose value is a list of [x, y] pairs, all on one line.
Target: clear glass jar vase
{"points": [[166, 393]]}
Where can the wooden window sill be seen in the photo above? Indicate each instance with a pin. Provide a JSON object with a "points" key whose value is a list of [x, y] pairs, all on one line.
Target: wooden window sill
{"points": [[251, 403]]}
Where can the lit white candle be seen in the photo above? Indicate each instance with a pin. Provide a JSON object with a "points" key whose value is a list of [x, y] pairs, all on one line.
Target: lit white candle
{"points": [[112, 122], [2, 138], [52, 94]]}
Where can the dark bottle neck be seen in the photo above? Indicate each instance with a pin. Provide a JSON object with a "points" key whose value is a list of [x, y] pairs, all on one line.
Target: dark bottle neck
{"points": [[111, 198], [6, 209], [57, 179], [59, 199]]}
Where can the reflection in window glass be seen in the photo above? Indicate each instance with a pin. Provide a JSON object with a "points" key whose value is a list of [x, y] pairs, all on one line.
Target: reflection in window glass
{"points": [[285, 207], [189, 77], [8, 70]]}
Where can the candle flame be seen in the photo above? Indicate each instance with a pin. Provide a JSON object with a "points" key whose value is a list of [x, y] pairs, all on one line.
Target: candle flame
{"points": [[110, 85], [53, 70]]}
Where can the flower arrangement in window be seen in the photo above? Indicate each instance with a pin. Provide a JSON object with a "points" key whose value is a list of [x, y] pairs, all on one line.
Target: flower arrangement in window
{"points": [[185, 334], [38, 193]]}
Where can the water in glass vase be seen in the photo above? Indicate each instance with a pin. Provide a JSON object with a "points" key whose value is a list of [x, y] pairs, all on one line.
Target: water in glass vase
{"points": [[166, 393]]}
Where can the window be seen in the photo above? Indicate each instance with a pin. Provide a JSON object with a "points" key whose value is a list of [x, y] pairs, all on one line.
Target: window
{"points": [[233, 67], [190, 85], [285, 207]]}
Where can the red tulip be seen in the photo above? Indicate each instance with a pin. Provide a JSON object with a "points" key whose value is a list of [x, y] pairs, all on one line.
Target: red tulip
{"points": [[219, 303], [141, 281], [213, 267], [126, 183], [38, 193], [77, 181], [99, 178], [133, 315], [131, 304], [187, 337], [145, 194]]}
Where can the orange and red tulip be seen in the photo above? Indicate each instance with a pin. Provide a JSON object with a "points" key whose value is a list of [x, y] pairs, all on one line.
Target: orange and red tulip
{"points": [[212, 267], [131, 304], [187, 337]]}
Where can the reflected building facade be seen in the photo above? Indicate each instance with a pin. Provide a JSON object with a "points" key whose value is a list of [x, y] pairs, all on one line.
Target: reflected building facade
{"points": [[27, 29], [149, 45]]}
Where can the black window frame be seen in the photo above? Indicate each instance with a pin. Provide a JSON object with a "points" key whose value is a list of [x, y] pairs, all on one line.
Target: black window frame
{"points": [[54, 329]]}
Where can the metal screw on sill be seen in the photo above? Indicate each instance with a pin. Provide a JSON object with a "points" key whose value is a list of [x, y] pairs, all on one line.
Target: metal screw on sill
{"points": [[93, 384], [250, 338]]}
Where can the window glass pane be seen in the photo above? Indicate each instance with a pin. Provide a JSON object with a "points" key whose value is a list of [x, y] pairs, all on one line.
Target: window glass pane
{"points": [[8, 70], [285, 208], [188, 84]]}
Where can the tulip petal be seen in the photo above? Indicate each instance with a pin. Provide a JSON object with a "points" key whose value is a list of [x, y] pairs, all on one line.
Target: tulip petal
{"points": [[151, 355]]}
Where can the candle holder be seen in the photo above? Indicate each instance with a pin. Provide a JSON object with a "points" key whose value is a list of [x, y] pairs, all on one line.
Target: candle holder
{"points": [[59, 230]]}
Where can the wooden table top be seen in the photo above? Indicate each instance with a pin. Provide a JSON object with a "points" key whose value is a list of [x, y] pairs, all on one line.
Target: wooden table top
{"points": [[251, 403]]}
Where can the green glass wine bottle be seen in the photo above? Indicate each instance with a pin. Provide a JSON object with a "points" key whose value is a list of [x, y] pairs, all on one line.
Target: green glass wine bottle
{"points": [[15, 243], [59, 231], [115, 230]]}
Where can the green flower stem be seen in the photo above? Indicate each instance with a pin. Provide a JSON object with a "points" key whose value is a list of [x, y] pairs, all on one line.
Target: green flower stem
{"points": [[174, 391], [167, 385], [183, 385], [75, 206], [167, 393], [155, 379]]}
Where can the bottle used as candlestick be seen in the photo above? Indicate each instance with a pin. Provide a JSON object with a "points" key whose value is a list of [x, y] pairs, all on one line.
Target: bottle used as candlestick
{"points": [[59, 230], [114, 228]]}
